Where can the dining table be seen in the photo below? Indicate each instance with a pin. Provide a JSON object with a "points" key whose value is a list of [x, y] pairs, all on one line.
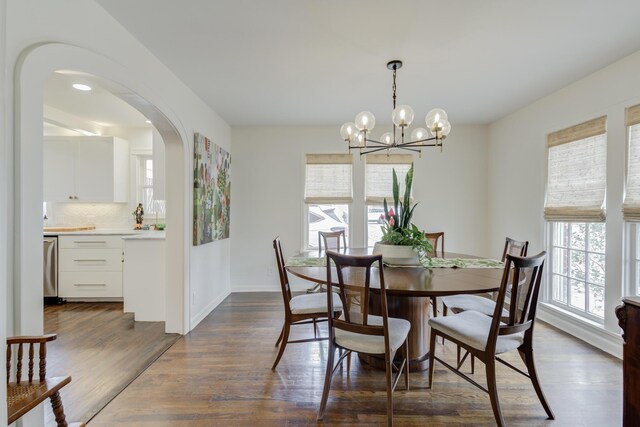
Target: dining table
{"points": [[409, 292]]}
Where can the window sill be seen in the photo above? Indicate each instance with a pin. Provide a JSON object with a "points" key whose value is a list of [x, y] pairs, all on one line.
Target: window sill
{"points": [[592, 332]]}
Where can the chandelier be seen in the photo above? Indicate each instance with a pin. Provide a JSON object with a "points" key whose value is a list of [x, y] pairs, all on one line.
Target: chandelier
{"points": [[357, 133]]}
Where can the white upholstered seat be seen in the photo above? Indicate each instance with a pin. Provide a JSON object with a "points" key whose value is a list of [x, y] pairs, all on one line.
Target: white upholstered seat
{"points": [[313, 303], [458, 303], [374, 344], [472, 328]]}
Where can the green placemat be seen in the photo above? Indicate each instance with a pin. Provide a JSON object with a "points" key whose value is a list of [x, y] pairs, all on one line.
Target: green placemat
{"points": [[306, 261]]}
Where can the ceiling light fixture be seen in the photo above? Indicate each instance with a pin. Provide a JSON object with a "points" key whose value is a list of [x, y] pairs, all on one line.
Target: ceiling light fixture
{"points": [[356, 133], [148, 121], [81, 87]]}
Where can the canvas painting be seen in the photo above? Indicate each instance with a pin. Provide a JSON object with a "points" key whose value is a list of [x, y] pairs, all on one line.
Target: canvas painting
{"points": [[211, 191]]}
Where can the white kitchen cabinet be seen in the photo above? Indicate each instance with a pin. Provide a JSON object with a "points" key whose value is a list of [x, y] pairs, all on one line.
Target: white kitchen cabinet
{"points": [[86, 169], [90, 267]]}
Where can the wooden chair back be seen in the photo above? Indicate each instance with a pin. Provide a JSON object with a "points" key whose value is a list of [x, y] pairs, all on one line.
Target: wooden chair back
{"points": [[282, 273], [434, 239], [356, 322], [523, 296], [324, 237], [15, 347], [514, 247]]}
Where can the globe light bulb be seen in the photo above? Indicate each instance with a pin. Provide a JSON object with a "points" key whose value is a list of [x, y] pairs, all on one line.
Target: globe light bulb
{"points": [[359, 139], [387, 138], [446, 128], [402, 116], [435, 118], [348, 131], [419, 134], [365, 121]]}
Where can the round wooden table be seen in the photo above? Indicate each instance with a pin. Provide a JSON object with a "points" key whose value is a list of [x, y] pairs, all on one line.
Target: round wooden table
{"points": [[409, 291]]}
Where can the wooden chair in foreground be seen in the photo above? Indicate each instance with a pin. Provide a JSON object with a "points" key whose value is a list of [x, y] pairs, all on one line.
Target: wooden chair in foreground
{"points": [[434, 239], [361, 332], [24, 395], [483, 304], [301, 309], [487, 337]]}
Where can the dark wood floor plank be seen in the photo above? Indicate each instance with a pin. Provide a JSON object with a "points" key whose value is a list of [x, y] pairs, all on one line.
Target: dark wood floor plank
{"points": [[220, 374], [102, 349]]}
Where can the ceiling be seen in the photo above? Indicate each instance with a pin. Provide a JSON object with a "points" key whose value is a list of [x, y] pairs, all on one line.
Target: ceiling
{"points": [[309, 62], [98, 106]]}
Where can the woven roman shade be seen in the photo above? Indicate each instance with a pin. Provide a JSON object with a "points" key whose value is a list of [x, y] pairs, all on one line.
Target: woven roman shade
{"points": [[328, 179], [631, 205], [577, 172], [379, 176]]}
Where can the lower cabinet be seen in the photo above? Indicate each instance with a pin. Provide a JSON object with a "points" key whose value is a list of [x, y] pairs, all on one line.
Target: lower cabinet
{"points": [[90, 266]]}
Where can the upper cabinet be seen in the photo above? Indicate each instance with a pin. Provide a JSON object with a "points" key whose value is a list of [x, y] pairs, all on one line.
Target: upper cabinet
{"points": [[88, 169]]}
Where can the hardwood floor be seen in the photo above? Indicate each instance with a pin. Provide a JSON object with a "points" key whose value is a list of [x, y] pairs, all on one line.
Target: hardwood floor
{"points": [[102, 349], [220, 374]]}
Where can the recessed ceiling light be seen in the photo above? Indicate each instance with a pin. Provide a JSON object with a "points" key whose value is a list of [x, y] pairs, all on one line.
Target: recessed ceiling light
{"points": [[148, 121], [80, 86]]}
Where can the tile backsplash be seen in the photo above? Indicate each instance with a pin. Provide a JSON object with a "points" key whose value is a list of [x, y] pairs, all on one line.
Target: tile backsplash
{"points": [[102, 215]]}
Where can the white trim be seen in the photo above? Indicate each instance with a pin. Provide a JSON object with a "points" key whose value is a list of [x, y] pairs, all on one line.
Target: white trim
{"points": [[195, 320], [257, 288], [580, 328]]}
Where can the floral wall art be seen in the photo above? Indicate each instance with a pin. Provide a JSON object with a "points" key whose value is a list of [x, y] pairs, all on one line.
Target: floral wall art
{"points": [[211, 191]]}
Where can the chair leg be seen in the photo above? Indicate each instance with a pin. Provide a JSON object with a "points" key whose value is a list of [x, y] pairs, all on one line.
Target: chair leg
{"points": [[434, 305], [493, 391], [280, 337], [432, 355], [444, 313], [406, 364], [285, 338], [389, 370], [315, 329], [327, 381], [58, 409], [458, 356], [348, 363], [473, 364], [527, 357]]}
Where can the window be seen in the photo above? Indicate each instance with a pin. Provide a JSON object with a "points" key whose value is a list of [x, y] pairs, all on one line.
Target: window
{"points": [[328, 194], [631, 205], [144, 186], [378, 186], [574, 208]]}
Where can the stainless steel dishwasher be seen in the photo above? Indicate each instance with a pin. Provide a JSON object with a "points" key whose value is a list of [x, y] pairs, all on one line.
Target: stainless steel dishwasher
{"points": [[50, 276]]}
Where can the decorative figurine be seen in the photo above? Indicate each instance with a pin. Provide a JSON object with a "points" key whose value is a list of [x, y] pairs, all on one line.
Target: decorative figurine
{"points": [[139, 213]]}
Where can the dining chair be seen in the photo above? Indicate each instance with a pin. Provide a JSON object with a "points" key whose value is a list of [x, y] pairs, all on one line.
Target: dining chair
{"points": [[324, 237], [434, 239], [301, 309], [362, 332], [484, 304], [486, 337]]}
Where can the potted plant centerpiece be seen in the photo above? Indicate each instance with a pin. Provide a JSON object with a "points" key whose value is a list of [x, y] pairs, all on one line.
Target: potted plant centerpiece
{"points": [[402, 242]]}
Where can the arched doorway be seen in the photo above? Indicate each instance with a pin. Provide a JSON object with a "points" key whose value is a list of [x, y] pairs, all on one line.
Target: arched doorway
{"points": [[34, 66]]}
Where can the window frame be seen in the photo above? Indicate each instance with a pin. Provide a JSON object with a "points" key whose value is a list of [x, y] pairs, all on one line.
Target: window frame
{"points": [[138, 159]]}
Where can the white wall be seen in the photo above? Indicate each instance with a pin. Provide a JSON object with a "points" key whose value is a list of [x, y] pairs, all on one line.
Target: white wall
{"points": [[5, 161], [34, 22], [517, 168], [268, 189]]}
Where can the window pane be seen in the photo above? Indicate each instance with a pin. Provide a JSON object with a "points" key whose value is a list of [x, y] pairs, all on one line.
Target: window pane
{"points": [[147, 195], [597, 241], [327, 218], [560, 288], [148, 172], [596, 269], [561, 231], [560, 258], [577, 265], [596, 300], [375, 219], [578, 231], [577, 291]]}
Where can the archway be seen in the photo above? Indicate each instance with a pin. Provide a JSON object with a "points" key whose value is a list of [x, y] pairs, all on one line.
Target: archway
{"points": [[34, 66]]}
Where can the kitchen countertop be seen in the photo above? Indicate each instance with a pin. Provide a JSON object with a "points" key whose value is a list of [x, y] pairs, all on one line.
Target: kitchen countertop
{"points": [[127, 232], [146, 235]]}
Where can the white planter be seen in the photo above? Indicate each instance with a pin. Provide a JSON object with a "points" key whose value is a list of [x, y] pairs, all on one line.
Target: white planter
{"points": [[395, 254]]}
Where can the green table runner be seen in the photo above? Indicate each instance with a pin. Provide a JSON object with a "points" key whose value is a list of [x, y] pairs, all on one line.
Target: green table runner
{"points": [[305, 261]]}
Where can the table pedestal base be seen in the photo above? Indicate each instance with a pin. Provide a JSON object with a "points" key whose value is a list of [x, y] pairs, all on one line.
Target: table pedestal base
{"points": [[416, 311]]}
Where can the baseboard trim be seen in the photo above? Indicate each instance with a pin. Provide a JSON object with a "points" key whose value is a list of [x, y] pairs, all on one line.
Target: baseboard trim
{"points": [[195, 320], [240, 289], [594, 335]]}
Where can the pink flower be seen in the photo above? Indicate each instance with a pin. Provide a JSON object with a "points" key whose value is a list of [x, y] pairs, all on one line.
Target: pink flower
{"points": [[392, 221], [390, 212]]}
